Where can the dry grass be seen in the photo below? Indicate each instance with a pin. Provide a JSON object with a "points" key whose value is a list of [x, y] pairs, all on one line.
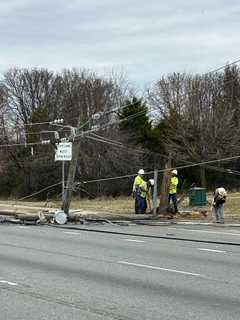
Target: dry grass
{"points": [[122, 205], [231, 207], [125, 205]]}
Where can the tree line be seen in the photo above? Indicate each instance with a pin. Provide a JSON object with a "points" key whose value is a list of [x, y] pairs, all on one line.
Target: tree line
{"points": [[184, 118]]}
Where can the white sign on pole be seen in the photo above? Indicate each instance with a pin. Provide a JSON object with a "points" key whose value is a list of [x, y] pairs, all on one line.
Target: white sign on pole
{"points": [[64, 151]]}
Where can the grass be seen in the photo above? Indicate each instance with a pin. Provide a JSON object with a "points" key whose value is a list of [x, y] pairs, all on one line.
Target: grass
{"points": [[125, 205]]}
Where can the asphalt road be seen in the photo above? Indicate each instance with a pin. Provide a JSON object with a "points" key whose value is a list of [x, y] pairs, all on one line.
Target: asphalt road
{"points": [[50, 273]]}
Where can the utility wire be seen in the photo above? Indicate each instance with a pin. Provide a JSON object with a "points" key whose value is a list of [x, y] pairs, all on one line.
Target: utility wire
{"points": [[192, 94], [112, 123], [129, 148], [119, 144], [40, 191], [89, 131], [20, 144], [162, 170], [223, 67]]}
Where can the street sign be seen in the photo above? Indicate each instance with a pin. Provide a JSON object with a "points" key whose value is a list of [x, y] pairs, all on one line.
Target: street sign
{"points": [[64, 151]]}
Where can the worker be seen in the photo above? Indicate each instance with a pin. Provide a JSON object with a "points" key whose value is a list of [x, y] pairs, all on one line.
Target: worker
{"points": [[139, 201], [173, 190], [219, 199], [146, 194]]}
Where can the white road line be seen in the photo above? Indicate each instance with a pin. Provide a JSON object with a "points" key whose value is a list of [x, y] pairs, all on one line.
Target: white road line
{"points": [[23, 227], [158, 268], [8, 283], [205, 231], [72, 233], [211, 250], [133, 240]]}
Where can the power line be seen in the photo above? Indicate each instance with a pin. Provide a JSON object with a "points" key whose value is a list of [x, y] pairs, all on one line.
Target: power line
{"points": [[192, 94], [223, 67], [123, 145], [20, 144], [119, 144], [135, 115], [162, 170], [40, 191], [89, 131]]}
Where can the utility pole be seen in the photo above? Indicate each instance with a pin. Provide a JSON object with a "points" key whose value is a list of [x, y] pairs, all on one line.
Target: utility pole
{"points": [[75, 155], [72, 169], [71, 176], [155, 191], [165, 186], [63, 180]]}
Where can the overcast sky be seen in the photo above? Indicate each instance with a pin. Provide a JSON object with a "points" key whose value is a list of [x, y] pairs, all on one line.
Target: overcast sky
{"points": [[146, 39]]}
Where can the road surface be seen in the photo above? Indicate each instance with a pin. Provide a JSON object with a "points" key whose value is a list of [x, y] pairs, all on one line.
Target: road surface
{"points": [[52, 273]]}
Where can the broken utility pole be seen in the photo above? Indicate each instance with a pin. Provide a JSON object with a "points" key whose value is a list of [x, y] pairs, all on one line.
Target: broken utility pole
{"points": [[155, 190], [165, 187], [71, 176], [72, 169]]}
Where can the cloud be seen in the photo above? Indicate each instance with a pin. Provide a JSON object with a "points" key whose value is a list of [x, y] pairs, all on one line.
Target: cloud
{"points": [[147, 39]]}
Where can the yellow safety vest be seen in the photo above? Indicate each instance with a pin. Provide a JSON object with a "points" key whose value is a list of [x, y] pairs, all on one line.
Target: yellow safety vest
{"points": [[145, 190], [137, 182], [173, 185]]}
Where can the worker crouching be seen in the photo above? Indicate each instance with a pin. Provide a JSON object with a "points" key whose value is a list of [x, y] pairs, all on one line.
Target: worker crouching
{"points": [[219, 199], [146, 194]]}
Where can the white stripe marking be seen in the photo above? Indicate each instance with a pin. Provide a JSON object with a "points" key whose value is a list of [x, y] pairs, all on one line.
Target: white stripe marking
{"points": [[8, 282], [205, 231], [23, 227], [158, 268], [133, 240], [73, 233], [212, 250]]}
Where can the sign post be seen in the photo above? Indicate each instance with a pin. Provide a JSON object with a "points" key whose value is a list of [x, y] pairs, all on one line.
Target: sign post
{"points": [[63, 153]]}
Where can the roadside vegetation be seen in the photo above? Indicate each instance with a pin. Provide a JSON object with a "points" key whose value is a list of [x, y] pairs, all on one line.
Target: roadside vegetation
{"points": [[105, 206], [181, 117]]}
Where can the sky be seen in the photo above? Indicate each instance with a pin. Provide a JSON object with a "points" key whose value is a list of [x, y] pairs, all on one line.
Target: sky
{"points": [[143, 39]]}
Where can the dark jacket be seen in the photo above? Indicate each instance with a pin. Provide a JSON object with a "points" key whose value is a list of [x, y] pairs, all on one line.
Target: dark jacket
{"points": [[218, 200]]}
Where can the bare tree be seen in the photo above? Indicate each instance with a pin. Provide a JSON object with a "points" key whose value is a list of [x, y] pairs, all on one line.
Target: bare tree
{"points": [[200, 112]]}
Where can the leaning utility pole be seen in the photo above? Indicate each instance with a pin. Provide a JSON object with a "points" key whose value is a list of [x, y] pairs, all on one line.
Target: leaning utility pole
{"points": [[165, 186], [71, 176], [72, 169]]}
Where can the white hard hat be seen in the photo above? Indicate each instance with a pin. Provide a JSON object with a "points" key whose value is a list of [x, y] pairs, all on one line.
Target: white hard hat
{"points": [[221, 191], [175, 172], [141, 171], [151, 181]]}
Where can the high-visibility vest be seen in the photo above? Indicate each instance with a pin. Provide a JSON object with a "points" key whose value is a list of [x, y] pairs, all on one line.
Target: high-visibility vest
{"points": [[173, 185], [145, 190], [136, 184]]}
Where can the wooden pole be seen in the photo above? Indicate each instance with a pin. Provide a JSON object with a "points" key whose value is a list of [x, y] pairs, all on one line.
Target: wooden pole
{"points": [[165, 187], [155, 191], [71, 176]]}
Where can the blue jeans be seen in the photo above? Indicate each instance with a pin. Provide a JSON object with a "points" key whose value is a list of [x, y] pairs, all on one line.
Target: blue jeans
{"points": [[219, 213], [173, 197], [140, 205]]}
